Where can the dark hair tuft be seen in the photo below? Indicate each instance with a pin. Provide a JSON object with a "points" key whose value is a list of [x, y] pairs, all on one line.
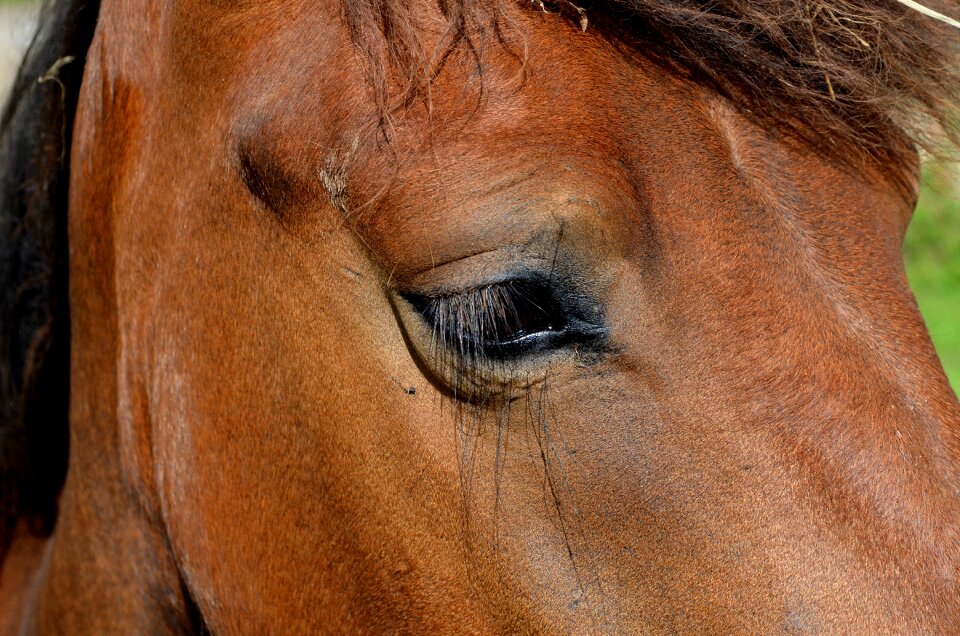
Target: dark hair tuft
{"points": [[35, 130]]}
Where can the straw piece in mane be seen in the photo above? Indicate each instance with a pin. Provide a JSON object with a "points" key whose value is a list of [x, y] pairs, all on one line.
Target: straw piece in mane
{"points": [[930, 12], [872, 77]]}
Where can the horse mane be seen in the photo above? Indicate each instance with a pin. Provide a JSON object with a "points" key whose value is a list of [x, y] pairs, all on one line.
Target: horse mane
{"points": [[856, 78], [35, 132], [853, 76]]}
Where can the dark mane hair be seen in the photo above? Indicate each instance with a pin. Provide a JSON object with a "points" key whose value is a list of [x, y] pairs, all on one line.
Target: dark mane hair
{"points": [[35, 131], [854, 76], [867, 78]]}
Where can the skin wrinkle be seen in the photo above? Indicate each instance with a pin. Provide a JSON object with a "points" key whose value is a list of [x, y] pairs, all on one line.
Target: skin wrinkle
{"points": [[727, 462]]}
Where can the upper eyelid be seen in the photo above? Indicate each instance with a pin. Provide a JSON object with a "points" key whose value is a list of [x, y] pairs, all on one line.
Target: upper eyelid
{"points": [[507, 279], [512, 284], [474, 272]]}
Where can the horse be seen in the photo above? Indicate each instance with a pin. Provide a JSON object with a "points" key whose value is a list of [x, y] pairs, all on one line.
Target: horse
{"points": [[474, 316]]}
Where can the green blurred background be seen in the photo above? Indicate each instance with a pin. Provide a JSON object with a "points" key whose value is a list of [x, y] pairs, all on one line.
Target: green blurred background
{"points": [[931, 252], [931, 249]]}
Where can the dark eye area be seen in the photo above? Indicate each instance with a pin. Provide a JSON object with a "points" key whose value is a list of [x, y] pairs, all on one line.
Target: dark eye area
{"points": [[494, 321]]}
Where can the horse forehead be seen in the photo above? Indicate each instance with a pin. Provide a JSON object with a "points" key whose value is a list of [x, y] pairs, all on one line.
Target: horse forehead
{"points": [[577, 109], [200, 52], [574, 121]]}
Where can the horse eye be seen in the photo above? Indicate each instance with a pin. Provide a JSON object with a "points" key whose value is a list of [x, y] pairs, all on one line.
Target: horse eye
{"points": [[495, 321], [525, 313]]}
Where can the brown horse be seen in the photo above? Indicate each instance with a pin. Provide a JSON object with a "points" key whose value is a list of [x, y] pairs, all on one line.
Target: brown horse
{"points": [[473, 316]]}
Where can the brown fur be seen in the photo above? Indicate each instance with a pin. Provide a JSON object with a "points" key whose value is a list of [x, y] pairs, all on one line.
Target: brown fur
{"points": [[760, 440]]}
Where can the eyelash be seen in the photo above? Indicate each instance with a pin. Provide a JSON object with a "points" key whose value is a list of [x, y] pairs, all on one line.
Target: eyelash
{"points": [[494, 322]]}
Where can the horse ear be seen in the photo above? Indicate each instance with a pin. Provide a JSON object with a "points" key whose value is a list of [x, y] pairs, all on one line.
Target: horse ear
{"points": [[35, 132]]}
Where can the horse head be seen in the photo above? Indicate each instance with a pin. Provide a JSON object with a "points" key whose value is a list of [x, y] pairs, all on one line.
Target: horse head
{"points": [[479, 317]]}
